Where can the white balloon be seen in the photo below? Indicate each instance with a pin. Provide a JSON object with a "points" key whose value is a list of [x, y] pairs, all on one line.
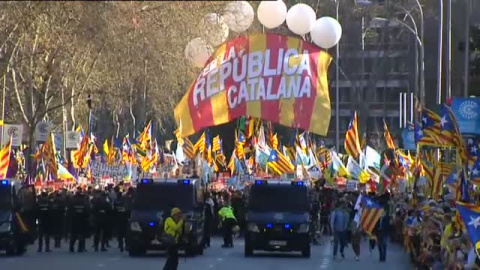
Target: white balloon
{"points": [[238, 16], [198, 52], [272, 14], [326, 32], [214, 30], [300, 19]]}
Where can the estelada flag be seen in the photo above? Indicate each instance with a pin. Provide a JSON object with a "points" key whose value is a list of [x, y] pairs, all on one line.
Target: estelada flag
{"points": [[372, 212], [273, 77]]}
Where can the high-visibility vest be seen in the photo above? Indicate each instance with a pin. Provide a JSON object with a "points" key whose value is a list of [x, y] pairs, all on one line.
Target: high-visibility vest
{"points": [[226, 212]]}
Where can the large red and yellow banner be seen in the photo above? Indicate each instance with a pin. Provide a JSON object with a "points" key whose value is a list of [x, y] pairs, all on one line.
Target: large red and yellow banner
{"points": [[276, 78]]}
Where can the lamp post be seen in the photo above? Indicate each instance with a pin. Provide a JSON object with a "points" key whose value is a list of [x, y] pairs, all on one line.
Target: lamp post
{"points": [[337, 89], [439, 52], [419, 42], [468, 8], [362, 3]]}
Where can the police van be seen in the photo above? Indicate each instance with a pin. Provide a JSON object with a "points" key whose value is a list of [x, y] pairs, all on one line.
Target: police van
{"points": [[278, 217], [152, 203], [17, 222]]}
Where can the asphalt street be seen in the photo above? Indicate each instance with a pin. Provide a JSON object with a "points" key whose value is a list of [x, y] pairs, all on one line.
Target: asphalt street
{"points": [[214, 258]]}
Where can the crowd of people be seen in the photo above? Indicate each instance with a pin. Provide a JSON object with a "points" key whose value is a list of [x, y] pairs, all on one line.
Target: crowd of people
{"points": [[81, 213], [430, 231]]}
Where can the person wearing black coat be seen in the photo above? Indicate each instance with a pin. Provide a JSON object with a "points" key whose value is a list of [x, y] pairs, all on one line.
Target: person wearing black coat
{"points": [[44, 221], [102, 210], [78, 212], [121, 214], [58, 216], [381, 231], [209, 216]]}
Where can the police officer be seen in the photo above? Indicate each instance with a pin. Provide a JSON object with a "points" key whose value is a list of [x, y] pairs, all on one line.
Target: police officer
{"points": [[58, 217], [101, 211], [121, 215], [43, 217], [228, 222], [209, 208], [78, 212]]}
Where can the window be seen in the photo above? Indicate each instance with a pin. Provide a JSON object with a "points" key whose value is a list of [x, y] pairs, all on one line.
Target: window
{"points": [[374, 95], [398, 65], [392, 95], [345, 95]]}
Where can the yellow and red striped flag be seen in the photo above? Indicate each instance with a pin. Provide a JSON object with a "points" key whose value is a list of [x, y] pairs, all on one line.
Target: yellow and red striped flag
{"points": [[188, 148], [200, 145], [274, 141], [437, 183], [178, 133], [352, 143], [5, 154], [388, 136], [231, 163], [279, 163], [49, 156], [146, 136], [239, 151], [209, 155], [371, 213], [217, 143]]}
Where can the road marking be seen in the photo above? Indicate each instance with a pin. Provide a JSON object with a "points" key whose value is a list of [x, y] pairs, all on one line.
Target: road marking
{"points": [[326, 259]]}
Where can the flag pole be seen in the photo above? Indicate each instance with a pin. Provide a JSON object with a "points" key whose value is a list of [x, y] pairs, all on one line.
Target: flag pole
{"points": [[3, 110]]}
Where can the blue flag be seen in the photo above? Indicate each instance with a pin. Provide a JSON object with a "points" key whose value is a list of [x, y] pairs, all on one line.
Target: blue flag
{"points": [[471, 217]]}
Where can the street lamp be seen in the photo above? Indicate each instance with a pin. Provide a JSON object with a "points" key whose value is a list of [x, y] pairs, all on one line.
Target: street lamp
{"points": [[419, 41], [362, 3]]}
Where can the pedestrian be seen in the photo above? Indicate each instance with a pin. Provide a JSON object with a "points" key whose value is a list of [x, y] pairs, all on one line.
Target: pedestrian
{"points": [[101, 210], [79, 213], [228, 222], [44, 221], [356, 231], [382, 229], [173, 228], [209, 206], [121, 216], [58, 217], [339, 224]]}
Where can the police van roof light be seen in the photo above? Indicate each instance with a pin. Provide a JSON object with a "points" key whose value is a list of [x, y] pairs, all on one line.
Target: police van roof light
{"points": [[186, 182], [4, 182], [146, 181], [259, 182], [287, 226], [299, 183], [269, 225], [151, 224]]}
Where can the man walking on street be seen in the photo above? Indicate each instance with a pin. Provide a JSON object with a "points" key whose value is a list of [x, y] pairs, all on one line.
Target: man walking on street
{"points": [[381, 233], [339, 224]]}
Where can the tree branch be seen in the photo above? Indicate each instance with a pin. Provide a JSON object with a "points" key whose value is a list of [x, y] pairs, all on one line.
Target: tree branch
{"points": [[17, 93]]}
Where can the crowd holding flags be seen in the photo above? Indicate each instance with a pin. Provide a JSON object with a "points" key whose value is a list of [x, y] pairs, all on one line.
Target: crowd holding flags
{"points": [[258, 149]]}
